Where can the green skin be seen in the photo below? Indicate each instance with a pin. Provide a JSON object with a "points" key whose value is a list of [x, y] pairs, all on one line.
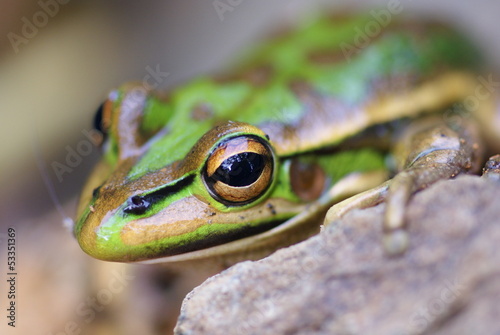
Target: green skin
{"points": [[296, 90]]}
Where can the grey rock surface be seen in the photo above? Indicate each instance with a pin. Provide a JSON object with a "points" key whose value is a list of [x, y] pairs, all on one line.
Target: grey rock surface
{"points": [[340, 281]]}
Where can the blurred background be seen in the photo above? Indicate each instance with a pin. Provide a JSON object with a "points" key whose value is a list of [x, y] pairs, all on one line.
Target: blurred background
{"points": [[58, 61]]}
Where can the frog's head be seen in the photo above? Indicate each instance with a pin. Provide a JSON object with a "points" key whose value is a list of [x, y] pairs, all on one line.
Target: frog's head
{"points": [[186, 186]]}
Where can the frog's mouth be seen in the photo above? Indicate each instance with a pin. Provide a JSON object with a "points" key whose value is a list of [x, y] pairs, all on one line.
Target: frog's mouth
{"points": [[220, 238]]}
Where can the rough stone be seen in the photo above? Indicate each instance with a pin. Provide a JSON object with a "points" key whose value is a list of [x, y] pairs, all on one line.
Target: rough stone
{"points": [[341, 282]]}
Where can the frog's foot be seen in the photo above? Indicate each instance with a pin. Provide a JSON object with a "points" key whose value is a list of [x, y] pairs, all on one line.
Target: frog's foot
{"points": [[491, 169], [433, 152], [396, 239], [428, 152]]}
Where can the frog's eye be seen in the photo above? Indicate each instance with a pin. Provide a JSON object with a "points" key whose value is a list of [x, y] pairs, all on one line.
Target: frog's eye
{"points": [[102, 117], [239, 170], [98, 119]]}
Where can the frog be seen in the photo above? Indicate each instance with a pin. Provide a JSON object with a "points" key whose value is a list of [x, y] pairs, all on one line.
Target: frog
{"points": [[236, 165]]}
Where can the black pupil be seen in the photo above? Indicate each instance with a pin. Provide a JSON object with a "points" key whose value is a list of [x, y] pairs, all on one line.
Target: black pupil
{"points": [[240, 170]]}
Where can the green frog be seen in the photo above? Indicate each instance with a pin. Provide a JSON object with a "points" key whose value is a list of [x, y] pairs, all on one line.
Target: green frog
{"points": [[235, 166]]}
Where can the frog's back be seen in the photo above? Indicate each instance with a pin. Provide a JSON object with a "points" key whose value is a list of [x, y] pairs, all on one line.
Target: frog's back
{"points": [[212, 161], [321, 83]]}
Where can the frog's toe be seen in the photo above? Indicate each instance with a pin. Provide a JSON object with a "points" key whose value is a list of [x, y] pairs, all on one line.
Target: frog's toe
{"points": [[491, 169], [396, 242]]}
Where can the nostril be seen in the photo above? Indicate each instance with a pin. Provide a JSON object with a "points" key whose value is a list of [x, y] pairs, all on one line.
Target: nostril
{"points": [[95, 192], [137, 200], [137, 205]]}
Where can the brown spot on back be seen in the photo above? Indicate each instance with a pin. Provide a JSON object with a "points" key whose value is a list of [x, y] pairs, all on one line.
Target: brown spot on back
{"points": [[341, 16], [257, 75], [260, 75], [302, 89], [202, 112], [325, 57]]}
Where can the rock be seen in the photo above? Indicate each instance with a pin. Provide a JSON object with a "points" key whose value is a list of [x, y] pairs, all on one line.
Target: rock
{"points": [[340, 281]]}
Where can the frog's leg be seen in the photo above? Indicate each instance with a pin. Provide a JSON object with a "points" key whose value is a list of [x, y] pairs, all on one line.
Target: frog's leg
{"points": [[428, 150]]}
